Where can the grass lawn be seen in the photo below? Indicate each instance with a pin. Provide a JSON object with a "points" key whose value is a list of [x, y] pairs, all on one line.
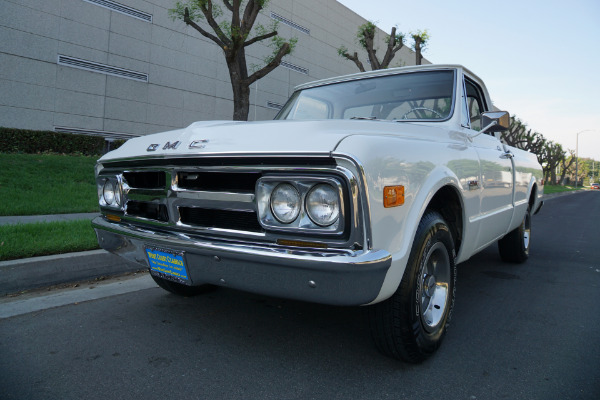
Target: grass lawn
{"points": [[45, 238], [549, 189], [37, 184]]}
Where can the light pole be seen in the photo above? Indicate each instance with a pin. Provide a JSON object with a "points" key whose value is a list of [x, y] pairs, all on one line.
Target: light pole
{"points": [[577, 157]]}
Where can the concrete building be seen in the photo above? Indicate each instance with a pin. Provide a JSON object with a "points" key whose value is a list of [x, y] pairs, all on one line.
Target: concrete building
{"points": [[124, 68]]}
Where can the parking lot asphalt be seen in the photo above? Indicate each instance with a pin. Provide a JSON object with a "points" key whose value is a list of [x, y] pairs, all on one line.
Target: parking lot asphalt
{"points": [[31, 273]]}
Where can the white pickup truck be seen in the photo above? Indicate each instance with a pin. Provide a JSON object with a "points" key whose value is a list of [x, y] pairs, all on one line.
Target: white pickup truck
{"points": [[367, 189]]}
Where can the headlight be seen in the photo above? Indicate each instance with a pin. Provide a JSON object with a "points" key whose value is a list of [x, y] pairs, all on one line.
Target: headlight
{"points": [[323, 204], [285, 203], [109, 192]]}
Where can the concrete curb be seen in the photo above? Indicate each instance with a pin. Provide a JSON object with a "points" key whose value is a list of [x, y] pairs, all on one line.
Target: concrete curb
{"points": [[36, 272], [29, 219]]}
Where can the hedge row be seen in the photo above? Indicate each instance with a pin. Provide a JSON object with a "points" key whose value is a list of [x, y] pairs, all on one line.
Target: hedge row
{"points": [[25, 141]]}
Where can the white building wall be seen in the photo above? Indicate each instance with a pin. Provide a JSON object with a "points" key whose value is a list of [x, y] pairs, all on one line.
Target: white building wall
{"points": [[187, 75]]}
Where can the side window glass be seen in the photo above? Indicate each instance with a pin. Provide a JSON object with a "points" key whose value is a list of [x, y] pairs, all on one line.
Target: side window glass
{"points": [[475, 105]]}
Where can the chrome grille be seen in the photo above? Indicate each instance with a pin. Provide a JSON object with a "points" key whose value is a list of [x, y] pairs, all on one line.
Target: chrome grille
{"points": [[216, 198]]}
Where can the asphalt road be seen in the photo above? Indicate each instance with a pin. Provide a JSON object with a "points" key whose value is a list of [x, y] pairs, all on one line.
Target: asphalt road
{"points": [[528, 331]]}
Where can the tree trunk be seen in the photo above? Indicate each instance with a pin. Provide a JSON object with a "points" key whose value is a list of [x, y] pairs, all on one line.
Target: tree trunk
{"points": [[238, 75], [418, 55], [241, 101]]}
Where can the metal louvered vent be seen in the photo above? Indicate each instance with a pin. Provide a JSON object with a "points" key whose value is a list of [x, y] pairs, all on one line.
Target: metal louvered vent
{"points": [[293, 67], [101, 68], [91, 132], [288, 22], [123, 9], [274, 106]]}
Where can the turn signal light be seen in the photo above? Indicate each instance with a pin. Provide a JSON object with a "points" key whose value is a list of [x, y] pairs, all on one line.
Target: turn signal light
{"points": [[393, 196]]}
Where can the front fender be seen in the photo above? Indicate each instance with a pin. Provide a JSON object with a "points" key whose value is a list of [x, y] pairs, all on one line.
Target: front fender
{"points": [[423, 167]]}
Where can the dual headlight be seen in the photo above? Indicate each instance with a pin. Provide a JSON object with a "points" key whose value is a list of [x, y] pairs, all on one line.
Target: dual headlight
{"points": [[302, 203], [110, 192]]}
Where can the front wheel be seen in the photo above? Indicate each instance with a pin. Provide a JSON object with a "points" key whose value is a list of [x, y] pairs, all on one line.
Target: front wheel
{"points": [[180, 289], [411, 324], [514, 247]]}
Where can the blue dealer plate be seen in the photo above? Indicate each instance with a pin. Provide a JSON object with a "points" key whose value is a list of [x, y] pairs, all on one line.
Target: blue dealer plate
{"points": [[168, 264]]}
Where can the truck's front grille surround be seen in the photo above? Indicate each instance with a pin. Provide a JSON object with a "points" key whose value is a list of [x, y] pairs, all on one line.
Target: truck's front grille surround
{"points": [[220, 200]]}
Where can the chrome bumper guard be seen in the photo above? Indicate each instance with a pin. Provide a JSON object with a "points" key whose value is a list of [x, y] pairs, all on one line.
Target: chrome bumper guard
{"points": [[326, 276]]}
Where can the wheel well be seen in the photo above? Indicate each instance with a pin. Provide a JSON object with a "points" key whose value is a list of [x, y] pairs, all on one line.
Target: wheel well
{"points": [[532, 197], [447, 202]]}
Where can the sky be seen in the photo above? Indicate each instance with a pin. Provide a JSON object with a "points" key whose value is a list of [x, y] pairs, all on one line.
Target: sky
{"points": [[540, 60]]}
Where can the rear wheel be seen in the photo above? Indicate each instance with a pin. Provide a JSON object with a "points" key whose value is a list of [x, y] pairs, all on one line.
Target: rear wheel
{"points": [[180, 289], [514, 247], [411, 324]]}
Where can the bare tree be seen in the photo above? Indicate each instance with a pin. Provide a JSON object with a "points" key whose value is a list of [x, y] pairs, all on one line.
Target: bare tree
{"points": [[366, 39], [519, 136], [566, 164], [420, 39], [233, 37]]}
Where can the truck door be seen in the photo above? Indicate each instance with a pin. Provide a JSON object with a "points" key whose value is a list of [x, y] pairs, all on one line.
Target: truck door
{"points": [[496, 171]]}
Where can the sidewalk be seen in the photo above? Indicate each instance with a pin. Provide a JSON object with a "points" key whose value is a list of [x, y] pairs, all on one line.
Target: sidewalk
{"points": [[36, 272]]}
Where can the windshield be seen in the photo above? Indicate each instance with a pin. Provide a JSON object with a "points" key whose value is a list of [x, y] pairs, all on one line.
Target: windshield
{"points": [[404, 97]]}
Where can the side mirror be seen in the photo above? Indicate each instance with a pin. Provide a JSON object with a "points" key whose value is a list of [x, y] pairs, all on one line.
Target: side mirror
{"points": [[495, 121]]}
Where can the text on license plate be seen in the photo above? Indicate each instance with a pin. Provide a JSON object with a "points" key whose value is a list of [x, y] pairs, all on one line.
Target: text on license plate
{"points": [[168, 263]]}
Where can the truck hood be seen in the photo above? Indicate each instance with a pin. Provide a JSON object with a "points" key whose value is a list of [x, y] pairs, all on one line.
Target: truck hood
{"points": [[266, 137]]}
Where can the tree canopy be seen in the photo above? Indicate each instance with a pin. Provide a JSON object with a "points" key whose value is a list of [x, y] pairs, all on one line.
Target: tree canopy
{"points": [[233, 35], [365, 37]]}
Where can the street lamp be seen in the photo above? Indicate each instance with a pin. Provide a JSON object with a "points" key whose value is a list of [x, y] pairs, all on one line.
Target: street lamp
{"points": [[577, 156]]}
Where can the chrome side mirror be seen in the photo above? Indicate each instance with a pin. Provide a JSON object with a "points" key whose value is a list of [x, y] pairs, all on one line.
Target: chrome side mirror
{"points": [[495, 121]]}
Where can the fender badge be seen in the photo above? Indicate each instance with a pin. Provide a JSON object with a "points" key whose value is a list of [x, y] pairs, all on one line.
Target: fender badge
{"points": [[153, 147], [198, 144]]}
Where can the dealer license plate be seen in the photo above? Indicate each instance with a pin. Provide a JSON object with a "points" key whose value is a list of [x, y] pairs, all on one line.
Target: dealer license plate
{"points": [[167, 264]]}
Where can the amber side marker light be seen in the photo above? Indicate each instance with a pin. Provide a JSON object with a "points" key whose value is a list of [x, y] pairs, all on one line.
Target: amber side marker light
{"points": [[393, 196], [299, 243], [114, 218]]}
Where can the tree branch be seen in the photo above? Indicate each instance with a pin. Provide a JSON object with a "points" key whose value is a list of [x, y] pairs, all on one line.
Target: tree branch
{"points": [[228, 5], [355, 59], [392, 48], [188, 21], [274, 63], [207, 10], [259, 38], [250, 14]]}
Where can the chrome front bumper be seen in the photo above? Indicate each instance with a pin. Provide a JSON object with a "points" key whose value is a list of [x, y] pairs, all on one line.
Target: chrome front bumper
{"points": [[336, 277]]}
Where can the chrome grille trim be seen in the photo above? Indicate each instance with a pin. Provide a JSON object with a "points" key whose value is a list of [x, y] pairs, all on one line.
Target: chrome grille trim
{"points": [[175, 198]]}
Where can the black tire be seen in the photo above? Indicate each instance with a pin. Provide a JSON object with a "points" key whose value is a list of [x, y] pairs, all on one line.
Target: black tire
{"points": [[514, 247], [410, 325], [180, 289]]}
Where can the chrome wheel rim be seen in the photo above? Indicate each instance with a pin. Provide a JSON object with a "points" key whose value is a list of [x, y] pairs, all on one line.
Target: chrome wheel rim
{"points": [[435, 283]]}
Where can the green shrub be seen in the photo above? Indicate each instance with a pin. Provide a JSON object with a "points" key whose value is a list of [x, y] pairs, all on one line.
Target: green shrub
{"points": [[32, 142]]}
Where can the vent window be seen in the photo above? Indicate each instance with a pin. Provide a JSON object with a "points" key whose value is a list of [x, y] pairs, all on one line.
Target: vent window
{"points": [[123, 9], [101, 68], [290, 23], [293, 67]]}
